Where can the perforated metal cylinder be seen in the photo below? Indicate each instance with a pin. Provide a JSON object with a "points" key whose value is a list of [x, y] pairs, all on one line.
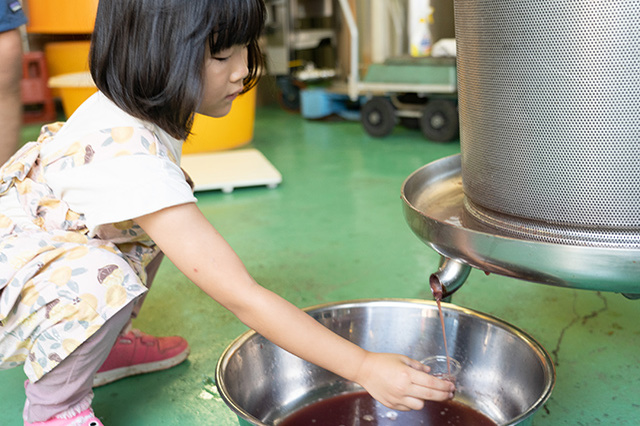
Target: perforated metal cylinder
{"points": [[549, 102]]}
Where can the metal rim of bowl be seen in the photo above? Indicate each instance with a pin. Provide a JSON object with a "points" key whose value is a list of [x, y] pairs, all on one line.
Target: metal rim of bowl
{"points": [[546, 361]]}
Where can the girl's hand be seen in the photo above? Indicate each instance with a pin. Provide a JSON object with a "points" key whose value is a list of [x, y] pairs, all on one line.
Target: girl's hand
{"points": [[401, 383]]}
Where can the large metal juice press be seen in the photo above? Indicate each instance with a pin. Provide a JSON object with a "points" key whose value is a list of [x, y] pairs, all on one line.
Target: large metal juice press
{"points": [[547, 185]]}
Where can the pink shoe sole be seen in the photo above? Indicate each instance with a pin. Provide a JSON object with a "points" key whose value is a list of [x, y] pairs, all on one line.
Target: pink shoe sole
{"points": [[85, 418]]}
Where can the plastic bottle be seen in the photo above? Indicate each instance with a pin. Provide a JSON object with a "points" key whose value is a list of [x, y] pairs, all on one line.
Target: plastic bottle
{"points": [[419, 17]]}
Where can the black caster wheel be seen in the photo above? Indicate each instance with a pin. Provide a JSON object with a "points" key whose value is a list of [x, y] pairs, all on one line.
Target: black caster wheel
{"points": [[378, 117], [439, 121]]}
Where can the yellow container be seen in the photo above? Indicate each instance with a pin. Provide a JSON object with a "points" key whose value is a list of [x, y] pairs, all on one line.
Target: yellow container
{"points": [[66, 57], [208, 133], [74, 88], [233, 130], [61, 16]]}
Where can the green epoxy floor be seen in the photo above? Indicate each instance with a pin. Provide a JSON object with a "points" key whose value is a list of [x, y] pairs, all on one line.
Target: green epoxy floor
{"points": [[334, 230]]}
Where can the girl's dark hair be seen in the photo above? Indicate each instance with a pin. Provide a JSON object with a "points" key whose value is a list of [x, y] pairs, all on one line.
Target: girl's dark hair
{"points": [[147, 56]]}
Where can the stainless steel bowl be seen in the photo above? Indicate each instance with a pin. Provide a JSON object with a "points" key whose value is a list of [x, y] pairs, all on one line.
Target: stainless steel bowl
{"points": [[505, 375]]}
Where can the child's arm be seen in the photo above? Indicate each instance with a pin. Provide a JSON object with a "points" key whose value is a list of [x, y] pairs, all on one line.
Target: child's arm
{"points": [[201, 253]]}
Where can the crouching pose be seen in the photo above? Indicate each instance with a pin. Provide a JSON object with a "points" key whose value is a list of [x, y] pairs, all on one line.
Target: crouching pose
{"points": [[89, 208]]}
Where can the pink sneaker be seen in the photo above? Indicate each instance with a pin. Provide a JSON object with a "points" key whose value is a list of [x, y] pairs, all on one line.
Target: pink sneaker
{"points": [[138, 353], [85, 418]]}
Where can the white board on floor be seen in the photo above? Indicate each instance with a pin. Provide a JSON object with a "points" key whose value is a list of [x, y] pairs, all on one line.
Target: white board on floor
{"points": [[228, 170]]}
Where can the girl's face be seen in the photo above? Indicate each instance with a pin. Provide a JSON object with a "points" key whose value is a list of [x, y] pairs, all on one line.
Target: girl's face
{"points": [[224, 75]]}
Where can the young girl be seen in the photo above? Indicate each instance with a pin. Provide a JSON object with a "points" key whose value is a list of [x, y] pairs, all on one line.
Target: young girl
{"points": [[88, 209]]}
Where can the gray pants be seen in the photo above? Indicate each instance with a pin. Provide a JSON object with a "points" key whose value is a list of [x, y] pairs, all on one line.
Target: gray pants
{"points": [[70, 383]]}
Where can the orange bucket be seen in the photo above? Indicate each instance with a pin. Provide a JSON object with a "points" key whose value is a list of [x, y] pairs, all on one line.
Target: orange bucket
{"points": [[61, 16]]}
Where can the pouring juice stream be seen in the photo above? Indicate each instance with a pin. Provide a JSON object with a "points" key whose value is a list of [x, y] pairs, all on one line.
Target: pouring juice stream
{"points": [[436, 289]]}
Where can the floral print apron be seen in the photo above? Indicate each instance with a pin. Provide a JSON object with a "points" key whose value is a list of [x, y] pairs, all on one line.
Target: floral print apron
{"points": [[58, 284]]}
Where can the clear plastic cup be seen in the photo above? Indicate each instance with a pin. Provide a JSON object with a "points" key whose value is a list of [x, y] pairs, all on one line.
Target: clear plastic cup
{"points": [[441, 369]]}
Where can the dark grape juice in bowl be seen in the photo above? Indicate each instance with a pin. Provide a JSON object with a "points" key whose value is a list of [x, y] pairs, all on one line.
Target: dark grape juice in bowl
{"points": [[505, 375], [360, 409]]}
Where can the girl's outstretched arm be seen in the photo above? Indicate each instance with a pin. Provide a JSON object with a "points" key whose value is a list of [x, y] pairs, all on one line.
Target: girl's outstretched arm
{"points": [[202, 254]]}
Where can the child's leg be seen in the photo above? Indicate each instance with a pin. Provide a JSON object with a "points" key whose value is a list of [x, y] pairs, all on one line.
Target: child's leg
{"points": [[67, 388]]}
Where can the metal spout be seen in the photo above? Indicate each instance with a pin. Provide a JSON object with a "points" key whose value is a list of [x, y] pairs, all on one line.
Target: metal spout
{"points": [[450, 276]]}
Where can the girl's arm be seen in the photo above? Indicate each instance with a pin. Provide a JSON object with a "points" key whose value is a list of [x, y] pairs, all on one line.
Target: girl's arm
{"points": [[201, 253]]}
